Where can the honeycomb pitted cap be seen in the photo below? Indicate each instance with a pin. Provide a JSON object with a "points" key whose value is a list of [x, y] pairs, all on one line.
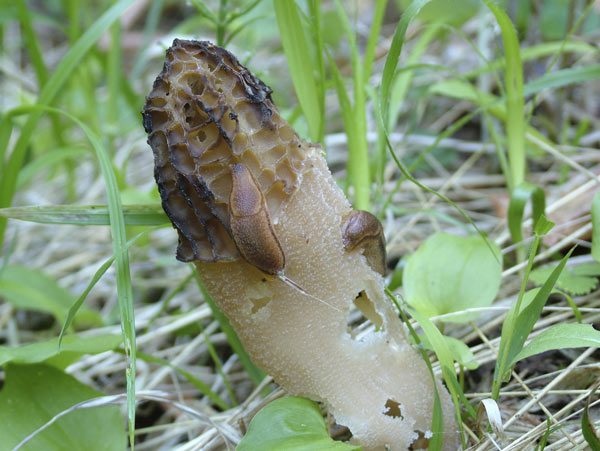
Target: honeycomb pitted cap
{"points": [[206, 112]]}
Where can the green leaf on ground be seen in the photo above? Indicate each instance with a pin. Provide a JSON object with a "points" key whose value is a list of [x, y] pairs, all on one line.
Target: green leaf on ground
{"points": [[290, 424], [73, 347], [33, 394], [575, 281], [561, 336], [31, 289], [450, 274]]}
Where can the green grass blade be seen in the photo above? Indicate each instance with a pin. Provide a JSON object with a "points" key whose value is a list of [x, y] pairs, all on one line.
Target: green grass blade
{"points": [[587, 424], [563, 77], [219, 367], [297, 54], [203, 10], [113, 74], [515, 108], [518, 199], [97, 276], [407, 175], [391, 62], [134, 215], [117, 225], [373, 37], [150, 26], [32, 44], [6, 127], [8, 177], [355, 119], [596, 226], [317, 36], [347, 113], [521, 323], [199, 384], [48, 160], [535, 52]]}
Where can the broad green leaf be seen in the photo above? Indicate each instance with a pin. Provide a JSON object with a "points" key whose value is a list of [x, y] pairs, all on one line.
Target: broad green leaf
{"points": [[73, 347], [33, 394], [134, 215], [561, 336], [31, 289], [569, 280], [450, 274], [518, 199], [587, 269], [596, 226], [290, 424]]}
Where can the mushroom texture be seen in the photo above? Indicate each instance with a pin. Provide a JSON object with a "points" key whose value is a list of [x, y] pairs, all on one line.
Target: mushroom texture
{"points": [[281, 251]]}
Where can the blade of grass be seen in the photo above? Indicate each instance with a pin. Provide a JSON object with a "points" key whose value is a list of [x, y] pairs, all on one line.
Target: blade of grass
{"points": [[219, 366], [346, 109], [518, 199], [398, 91], [437, 419], [355, 120], [117, 225], [32, 44], [596, 226], [8, 177], [373, 36], [150, 26], [562, 78], [587, 424], [295, 47], [317, 36], [113, 75], [97, 276], [535, 52], [408, 176], [48, 160], [515, 108], [518, 324], [391, 62], [199, 384], [134, 215]]}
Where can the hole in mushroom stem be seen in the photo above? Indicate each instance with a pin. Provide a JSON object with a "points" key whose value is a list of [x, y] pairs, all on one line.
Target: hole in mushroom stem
{"points": [[392, 409], [422, 442], [259, 303], [356, 322]]}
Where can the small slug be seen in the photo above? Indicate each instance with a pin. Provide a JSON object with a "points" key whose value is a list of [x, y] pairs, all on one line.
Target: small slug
{"points": [[362, 230], [250, 223]]}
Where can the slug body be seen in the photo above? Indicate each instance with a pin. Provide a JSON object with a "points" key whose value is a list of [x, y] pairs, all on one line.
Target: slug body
{"points": [[250, 223], [362, 230], [248, 197]]}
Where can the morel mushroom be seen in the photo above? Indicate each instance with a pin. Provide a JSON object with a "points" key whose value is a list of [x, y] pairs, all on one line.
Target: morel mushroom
{"points": [[271, 233]]}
